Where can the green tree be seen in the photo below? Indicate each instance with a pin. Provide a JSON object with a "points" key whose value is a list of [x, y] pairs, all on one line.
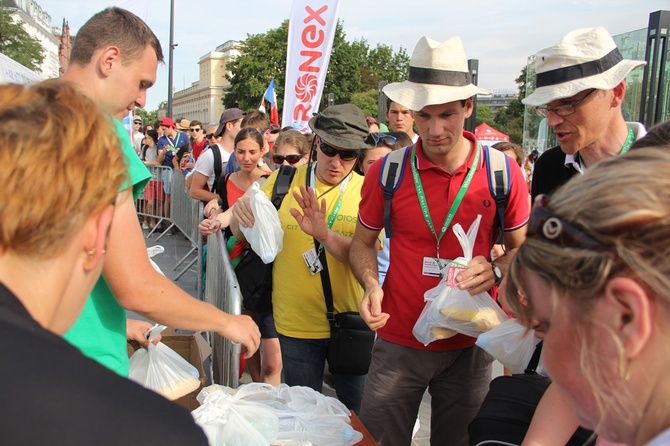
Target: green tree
{"points": [[263, 58], [484, 114], [354, 69], [148, 117], [511, 118], [366, 101], [16, 43]]}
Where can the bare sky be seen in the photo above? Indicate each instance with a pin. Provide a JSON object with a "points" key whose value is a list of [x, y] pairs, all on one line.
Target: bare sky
{"points": [[501, 34]]}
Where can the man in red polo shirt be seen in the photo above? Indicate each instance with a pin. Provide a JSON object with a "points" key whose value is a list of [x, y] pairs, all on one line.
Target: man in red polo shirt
{"points": [[456, 372]]}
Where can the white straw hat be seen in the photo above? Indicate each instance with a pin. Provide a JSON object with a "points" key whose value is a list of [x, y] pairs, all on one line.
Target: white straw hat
{"points": [[438, 74], [585, 58]]}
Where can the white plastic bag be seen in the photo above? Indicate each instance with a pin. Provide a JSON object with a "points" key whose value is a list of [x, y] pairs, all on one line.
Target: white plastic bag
{"points": [[161, 369], [450, 310], [511, 344], [266, 235], [152, 251], [228, 419], [304, 416]]}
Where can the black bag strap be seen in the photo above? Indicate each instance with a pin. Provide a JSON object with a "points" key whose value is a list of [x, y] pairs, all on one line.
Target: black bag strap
{"points": [[534, 360], [282, 184], [216, 151], [325, 283]]}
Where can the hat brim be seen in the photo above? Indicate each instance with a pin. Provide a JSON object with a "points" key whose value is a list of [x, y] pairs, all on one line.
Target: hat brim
{"points": [[416, 96], [603, 81], [337, 141], [219, 130]]}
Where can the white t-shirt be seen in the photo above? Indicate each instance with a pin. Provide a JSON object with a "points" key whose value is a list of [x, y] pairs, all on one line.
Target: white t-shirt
{"points": [[205, 164]]}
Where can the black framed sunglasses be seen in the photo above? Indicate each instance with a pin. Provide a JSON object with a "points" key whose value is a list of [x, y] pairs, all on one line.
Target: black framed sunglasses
{"points": [[292, 159], [545, 224], [209, 135], [195, 129], [330, 151]]}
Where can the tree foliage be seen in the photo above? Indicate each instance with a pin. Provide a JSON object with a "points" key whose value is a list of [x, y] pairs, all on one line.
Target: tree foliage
{"points": [[510, 119], [148, 117], [353, 73], [16, 43], [484, 114]]}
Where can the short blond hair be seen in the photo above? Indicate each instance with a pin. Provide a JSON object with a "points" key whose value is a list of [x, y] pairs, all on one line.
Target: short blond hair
{"points": [[64, 167]]}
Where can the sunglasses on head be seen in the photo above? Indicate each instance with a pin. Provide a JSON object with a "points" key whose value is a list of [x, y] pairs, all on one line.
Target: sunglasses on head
{"points": [[330, 151], [387, 140], [546, 225], [292, 159]]}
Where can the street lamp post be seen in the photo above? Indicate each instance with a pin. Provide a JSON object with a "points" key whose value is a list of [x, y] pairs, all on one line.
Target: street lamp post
{"points": [[172, 47]]}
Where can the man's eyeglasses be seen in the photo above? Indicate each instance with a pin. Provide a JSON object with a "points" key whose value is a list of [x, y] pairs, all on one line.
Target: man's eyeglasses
{"points": [[561, 110], [545, 224], [387, 140], [292, 159], [330, 151], [194, 130]]}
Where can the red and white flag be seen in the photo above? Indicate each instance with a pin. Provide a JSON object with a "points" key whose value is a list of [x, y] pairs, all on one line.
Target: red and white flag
{"points": [[310, 41], [271, 96]]}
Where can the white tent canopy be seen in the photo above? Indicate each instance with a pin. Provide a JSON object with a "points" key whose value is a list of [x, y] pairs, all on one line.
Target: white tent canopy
{"points": [[12, 72]]}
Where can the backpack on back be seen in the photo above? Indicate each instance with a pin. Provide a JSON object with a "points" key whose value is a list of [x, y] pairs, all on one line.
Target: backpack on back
{"points": [[499, 178]]}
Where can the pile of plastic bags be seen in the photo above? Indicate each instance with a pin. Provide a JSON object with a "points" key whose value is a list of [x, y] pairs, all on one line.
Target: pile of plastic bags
{"points": [[261, 414]]}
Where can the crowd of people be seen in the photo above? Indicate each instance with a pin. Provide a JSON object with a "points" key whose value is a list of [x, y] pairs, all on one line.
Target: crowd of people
{"points": [[585, 267]]}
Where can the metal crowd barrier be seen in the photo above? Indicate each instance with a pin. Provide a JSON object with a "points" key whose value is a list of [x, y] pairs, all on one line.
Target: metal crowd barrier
{"points": [[184, 215], [223, 291], [150, 203]]}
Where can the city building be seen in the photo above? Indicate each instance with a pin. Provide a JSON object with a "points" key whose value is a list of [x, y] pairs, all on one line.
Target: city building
{"points": [[498, 100], [37, 23], [203, 100], [65, 47]]}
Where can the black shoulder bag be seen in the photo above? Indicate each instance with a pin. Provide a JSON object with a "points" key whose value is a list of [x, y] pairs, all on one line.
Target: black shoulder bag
{"points": [[351, 340], [509, 406]]}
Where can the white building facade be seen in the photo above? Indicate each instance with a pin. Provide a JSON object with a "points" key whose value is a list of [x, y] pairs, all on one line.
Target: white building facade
{"points": [[37, 23], [203, 99]]}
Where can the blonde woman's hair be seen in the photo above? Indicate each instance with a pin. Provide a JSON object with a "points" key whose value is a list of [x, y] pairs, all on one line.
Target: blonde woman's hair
{"points": [[623, 205], [61, 162]]}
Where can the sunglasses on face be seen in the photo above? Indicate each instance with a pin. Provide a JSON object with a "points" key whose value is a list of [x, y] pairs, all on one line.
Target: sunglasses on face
{"points": [[330, 151], [292, 159], [195, 130], [545, 224], [209, 135]]}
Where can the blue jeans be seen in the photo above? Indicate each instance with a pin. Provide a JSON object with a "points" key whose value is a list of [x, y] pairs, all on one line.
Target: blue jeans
{"points": [[304, 361]]}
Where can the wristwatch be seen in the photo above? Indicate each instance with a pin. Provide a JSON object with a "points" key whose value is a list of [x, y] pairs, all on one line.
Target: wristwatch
{"points": [[497, 274]]}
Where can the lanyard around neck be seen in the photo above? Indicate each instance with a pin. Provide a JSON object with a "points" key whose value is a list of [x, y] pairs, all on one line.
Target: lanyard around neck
{"points": [[418, 185], [629, 142], [338, 205]]}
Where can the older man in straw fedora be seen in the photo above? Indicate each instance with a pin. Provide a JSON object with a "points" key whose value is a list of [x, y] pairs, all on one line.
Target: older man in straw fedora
{"points": [[581, 84], [445, 180]]}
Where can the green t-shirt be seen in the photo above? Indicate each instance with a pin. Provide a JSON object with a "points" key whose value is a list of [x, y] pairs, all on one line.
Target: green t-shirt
{"points": [[100, 331]]}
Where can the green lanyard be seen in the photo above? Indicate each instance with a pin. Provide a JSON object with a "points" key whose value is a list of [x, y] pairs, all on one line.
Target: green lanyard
{"points": [[338, 205], [454, 206], [628, 143]]}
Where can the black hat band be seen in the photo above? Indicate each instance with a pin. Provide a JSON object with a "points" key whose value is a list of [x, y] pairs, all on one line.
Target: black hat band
{"points": [[432, 76], [579, 71]]}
